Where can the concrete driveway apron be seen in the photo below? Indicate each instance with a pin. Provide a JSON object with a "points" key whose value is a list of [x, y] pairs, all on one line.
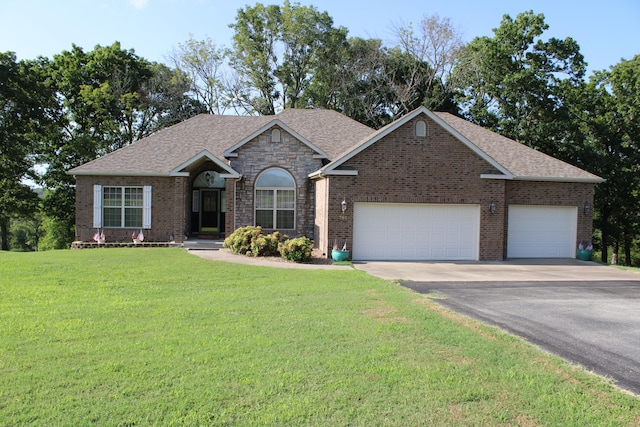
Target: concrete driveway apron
{"points": [[581, 311]]}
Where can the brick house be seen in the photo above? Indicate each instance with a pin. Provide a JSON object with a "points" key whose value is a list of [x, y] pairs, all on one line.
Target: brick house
{"points": [[429, 186]]}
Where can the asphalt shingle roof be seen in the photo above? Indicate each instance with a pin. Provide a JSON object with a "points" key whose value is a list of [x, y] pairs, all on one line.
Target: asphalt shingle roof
{"points": [[329, 131], [521, 161], [163, 151]]}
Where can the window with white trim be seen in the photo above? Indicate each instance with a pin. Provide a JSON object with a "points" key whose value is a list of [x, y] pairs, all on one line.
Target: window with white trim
{"points": [[421, 128], [275, 200], [122, 207]]}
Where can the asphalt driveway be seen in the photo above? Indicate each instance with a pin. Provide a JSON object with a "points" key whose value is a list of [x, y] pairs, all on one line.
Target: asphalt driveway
{"points": [[593, 323], [584, 312]]}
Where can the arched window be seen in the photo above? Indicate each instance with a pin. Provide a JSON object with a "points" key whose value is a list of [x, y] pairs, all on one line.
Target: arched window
{"points": [[275, 135], [275, 200], [421, 128]]}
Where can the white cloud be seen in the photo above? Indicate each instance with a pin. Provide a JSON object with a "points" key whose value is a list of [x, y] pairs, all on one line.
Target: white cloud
{"points": [[139, 4]]}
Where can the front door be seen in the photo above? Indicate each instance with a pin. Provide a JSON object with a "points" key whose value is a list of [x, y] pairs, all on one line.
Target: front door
{"points": [[210, 211]]}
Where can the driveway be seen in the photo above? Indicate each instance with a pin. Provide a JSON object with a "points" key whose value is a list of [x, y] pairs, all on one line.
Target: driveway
{"points": [[581, 311], [593, 323], [492, 271]]}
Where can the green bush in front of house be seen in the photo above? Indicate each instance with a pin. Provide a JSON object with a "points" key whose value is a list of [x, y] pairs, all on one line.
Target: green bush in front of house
{"points": [[241, 240], [250, 241], [298, 249], [266, 245]]}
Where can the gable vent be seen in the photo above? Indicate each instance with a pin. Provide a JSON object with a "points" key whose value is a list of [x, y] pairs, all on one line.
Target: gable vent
{"points": [[275, 135]]}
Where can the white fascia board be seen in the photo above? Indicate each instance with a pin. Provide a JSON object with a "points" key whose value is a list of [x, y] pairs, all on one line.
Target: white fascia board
{"points": [[339, 172], [229, 152], [204, 153], [559, 179], [494, 176], [102, 173]]}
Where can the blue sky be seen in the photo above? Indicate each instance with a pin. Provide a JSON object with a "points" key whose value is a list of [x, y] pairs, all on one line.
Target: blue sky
{"points": [[605, 30]]}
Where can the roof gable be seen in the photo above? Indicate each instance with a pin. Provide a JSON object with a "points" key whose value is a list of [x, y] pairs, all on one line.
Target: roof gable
{"points": [[231, 151], [204, 155], [510, 158], [333, 168]]}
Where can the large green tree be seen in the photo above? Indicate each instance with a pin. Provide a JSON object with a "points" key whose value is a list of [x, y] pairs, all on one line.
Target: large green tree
{"points": [[27, 111], [110, 98], [515, 83], [609, 110], [276, 53]]}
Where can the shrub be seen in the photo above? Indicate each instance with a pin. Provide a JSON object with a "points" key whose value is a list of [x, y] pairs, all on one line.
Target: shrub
{"points": [[265, 245], [297, 250], [240, 240]]}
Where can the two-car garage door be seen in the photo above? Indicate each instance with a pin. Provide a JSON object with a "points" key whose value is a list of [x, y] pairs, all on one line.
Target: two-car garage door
{"points": [[404, 232], [387, 231]]}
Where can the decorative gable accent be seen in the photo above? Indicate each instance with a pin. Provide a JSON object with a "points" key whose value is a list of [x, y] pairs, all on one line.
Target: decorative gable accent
{"points": [[336, 167], [231, 152], [229, 172]]}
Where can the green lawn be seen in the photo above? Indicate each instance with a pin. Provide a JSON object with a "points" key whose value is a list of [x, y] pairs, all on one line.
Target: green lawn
{"points": [[160, 337]]}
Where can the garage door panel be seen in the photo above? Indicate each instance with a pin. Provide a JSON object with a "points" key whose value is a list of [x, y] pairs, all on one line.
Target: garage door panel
{"points": [[541, 231], [384, 231]]}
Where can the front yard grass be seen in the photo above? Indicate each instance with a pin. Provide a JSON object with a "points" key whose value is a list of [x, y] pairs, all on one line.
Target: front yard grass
{"points": [[161, 337]]}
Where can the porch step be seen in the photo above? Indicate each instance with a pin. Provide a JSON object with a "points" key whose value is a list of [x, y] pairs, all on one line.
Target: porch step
{"points": [[202, 245]]}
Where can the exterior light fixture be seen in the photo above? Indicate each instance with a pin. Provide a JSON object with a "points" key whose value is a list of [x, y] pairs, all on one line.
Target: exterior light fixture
{"points": [[344, 205], [492, 207], [211, 178], [586, 208]]}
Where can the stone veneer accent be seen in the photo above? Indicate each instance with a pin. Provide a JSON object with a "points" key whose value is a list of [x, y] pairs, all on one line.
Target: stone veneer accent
{"points": [[260, 154]]}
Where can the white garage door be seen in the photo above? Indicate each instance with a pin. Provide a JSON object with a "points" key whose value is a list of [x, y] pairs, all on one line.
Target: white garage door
{"points": [[383, 231], [542, 232]]}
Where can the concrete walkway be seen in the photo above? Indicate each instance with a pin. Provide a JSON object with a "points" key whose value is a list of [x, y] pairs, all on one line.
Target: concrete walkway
{"points": [[228, 256]]}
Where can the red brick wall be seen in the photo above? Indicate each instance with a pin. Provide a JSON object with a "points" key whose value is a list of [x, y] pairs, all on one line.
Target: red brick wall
{"points": [[403, 168], [167, 212], [321, 237]]}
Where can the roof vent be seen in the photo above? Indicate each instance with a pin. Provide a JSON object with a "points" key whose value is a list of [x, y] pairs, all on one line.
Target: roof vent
{"points": [[275, 135]]}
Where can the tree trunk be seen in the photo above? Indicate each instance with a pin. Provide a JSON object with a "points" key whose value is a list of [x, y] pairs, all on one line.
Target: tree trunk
{"points": [[4, 235], [604, 228], [614, 253], [627, 251]]}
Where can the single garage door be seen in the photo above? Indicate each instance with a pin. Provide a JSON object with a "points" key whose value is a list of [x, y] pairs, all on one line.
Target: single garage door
{"points": [[542, 231], [384, 231]]}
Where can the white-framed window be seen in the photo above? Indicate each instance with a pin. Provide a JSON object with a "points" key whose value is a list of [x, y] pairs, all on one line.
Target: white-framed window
{"points": [[121, 207], [275, 200], [421, 128]]}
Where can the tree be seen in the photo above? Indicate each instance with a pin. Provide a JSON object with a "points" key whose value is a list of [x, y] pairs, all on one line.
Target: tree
{"points": [[608, 115], [110, 98], [515, 83], [27, 110], [354, 83], [431, 54], [201, 64], [277, 51]]}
